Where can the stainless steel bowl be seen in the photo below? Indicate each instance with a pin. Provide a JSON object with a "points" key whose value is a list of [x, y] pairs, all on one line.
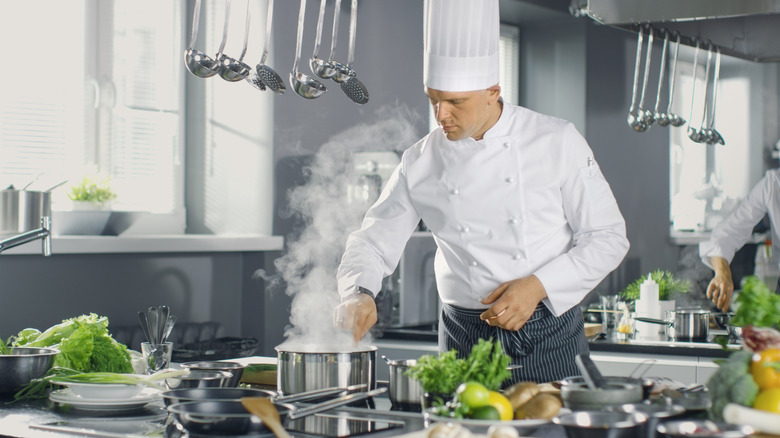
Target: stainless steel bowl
{"points": [[600, 424], [234, 368], [655, 412], [23, 365], [199, 379], [579, 397], [702, 428]]}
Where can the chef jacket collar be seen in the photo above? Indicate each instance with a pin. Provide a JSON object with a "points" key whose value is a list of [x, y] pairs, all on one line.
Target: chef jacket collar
{"points": [[501, 127]]}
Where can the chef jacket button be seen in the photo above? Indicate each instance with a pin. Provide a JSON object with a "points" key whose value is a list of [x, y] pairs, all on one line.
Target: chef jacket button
{"points": [[454, 191], [464, 228], [514, 221], [507, 144], [516, 257], [510, 179], [474, 263]]}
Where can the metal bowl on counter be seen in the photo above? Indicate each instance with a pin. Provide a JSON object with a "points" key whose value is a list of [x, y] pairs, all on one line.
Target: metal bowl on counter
{"points": [[600, 424], [645, 383], [578, 396], [702, 428], [655, 412], [235, 369], [22, 366], [199, 379]]}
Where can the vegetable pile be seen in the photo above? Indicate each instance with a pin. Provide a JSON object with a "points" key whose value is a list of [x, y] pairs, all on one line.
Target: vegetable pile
{"points": [[486, 364], [84, 343], [756, 305]]}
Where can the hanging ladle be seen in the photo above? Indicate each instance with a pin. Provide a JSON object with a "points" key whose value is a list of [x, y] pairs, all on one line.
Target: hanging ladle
{"points": [[197, 62], [703, 132], [321, 67], [673, 118], [306, 86], [231, 69], [661, 117], [343, 72], [646, 115], [634, 121], [713, 135], [264, 76], [694, 133], [352, 87]]}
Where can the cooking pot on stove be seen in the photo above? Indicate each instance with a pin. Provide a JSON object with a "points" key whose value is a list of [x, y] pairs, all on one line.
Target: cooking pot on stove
{"points": [[310, 367], [405, 392], [22, 210], [684, 324]]}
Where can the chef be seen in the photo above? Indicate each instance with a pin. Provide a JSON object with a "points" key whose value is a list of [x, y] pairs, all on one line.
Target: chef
{"points": [[524, 221], [732, 234]]}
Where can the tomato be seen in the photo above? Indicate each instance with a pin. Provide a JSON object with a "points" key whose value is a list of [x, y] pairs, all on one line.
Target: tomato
{"points": [[486, 412], [768, 400], [766, 376], [472, 395], [502, 405]]}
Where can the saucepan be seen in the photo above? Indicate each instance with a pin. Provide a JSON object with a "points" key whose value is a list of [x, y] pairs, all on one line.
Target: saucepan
{"points": [[310, 367], [684, 324], [405, 392], [223, 417], [22, 210]]}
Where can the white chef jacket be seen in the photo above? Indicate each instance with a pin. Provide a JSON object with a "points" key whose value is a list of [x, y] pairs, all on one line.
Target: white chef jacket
{"points": [[730, 235], [529, 198]]}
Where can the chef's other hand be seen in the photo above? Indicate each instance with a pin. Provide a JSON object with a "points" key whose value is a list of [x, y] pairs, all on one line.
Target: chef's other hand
{"points": [[357, 313], [721, 286], [513, 303]]}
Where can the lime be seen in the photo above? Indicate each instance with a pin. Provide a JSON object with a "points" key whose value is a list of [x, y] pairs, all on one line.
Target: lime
{"points": [[502, 405], [472, 395], [486, 412]]}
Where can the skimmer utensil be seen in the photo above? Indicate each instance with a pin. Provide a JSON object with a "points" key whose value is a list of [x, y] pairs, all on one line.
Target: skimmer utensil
{"points": [[352, 87], [321, 67], [305, 86], [197, 62], [264, 76], [231, 69], [661, 117]]}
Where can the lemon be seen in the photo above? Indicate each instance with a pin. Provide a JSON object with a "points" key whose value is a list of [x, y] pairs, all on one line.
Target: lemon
{"points": [[768, 400], [486, 412], [502, 405]]}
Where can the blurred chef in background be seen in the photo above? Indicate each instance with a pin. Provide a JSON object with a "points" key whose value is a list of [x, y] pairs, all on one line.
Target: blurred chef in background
{"points": [[525, 223], [730, 235]]}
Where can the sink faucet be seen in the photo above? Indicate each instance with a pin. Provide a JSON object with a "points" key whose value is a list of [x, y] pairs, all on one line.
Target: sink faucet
{"points": [[44, 232]]}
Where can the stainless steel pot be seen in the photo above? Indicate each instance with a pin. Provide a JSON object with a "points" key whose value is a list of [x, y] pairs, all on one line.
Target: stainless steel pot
{"points": [[22, 210], [316, 368], [405, 392], [684, 324]]}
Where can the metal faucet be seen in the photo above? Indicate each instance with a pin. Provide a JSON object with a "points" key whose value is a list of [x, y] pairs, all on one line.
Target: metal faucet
{"points": [[44, 232]]}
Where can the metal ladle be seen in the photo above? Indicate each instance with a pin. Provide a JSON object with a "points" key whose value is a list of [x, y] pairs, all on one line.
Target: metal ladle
{"points": [[343, 73], [264, 76], [674, 119], [703, 132], [634, 121], [646, 115], [694, 133], [305, 86], [352, 87], [713, 134], [231, 69], [197, 62], [659, 116], [321, 67]]}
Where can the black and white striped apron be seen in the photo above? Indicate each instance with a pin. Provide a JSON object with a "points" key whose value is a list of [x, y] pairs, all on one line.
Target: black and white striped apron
{"points": [[544, 348]]}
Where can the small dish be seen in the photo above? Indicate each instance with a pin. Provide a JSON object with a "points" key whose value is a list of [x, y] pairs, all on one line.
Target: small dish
{"points": [[102, 391]]}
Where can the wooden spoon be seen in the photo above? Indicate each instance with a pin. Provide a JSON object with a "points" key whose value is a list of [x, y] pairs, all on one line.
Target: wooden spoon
{"points": [[265, 409]]}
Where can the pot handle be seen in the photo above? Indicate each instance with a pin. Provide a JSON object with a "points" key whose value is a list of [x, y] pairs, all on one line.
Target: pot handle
{"points": [[324, 406], [654, 321], [389, 362], [324, 392]]}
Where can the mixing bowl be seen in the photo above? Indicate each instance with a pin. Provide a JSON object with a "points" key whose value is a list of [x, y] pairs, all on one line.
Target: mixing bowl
{"points": [[600, 424], [234, 368], [23, 365]]}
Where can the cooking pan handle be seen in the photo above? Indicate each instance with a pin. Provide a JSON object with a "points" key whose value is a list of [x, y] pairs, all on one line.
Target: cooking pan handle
{"points": [[324, 406], [324, 392], [654, 321]]}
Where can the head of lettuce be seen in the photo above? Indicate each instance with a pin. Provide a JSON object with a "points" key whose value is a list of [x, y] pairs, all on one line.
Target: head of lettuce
{"points": [[84, 343]]}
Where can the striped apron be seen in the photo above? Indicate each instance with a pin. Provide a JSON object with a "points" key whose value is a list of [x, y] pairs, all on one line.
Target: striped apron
{"points": [[543, 349]]}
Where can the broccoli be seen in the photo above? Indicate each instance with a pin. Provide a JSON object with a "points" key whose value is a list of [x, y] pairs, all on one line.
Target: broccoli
{"points": [[732, 383]]}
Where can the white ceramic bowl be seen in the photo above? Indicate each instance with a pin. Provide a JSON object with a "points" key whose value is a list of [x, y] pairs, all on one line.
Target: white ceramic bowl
{"points": [[103, 391]]}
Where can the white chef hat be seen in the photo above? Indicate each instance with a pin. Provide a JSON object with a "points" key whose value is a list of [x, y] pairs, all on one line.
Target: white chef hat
{"points": [[461, 44]]}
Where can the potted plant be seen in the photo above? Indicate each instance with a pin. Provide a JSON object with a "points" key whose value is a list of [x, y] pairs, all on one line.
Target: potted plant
{"points": [[668, 288], [90, 194]]}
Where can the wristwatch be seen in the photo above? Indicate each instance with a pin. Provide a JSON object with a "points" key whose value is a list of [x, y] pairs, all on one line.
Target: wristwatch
{"points": [[362, 290]]}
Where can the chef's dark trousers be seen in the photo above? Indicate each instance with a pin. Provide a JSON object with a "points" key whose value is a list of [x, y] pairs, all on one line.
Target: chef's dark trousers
{"points": [[544, 348]]}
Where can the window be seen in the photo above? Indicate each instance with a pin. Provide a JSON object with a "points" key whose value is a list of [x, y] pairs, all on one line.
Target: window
{"points": [[97, 88], [509, 76]]}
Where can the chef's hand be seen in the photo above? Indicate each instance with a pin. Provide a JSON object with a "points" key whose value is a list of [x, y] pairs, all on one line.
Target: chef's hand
{"points": [[357, 313], [721, 286], [513, 303]]}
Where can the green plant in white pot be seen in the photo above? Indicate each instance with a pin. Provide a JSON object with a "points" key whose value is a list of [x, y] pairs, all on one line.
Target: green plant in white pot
{"points": [[91, 193], [668, 287]]}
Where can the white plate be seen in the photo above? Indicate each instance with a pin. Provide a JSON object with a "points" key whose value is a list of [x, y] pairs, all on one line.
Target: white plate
{"points": [[66, 396], [102, 391]]}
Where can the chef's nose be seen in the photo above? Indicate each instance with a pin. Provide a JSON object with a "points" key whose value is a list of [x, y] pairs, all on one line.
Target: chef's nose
{"points": [[442, 111]]}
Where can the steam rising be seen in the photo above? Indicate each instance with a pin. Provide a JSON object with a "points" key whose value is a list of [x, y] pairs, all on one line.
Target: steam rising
{"points": [[309, 264]]}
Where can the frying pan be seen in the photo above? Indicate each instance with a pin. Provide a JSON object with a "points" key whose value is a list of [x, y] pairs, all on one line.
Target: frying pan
{"points": [[229, 417], [233, 394]]}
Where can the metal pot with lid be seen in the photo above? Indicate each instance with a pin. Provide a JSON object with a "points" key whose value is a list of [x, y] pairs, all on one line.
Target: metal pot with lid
{"points": [[309, 367], [684, 324]]}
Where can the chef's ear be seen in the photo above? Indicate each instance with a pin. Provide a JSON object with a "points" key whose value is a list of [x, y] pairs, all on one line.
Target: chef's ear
{"points": [[494, 93]]}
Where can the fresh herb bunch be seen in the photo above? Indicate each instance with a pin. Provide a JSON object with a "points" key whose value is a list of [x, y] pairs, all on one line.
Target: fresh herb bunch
{"points": [[90, 190], [486, 364], [668, 285], [756, 304]]}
